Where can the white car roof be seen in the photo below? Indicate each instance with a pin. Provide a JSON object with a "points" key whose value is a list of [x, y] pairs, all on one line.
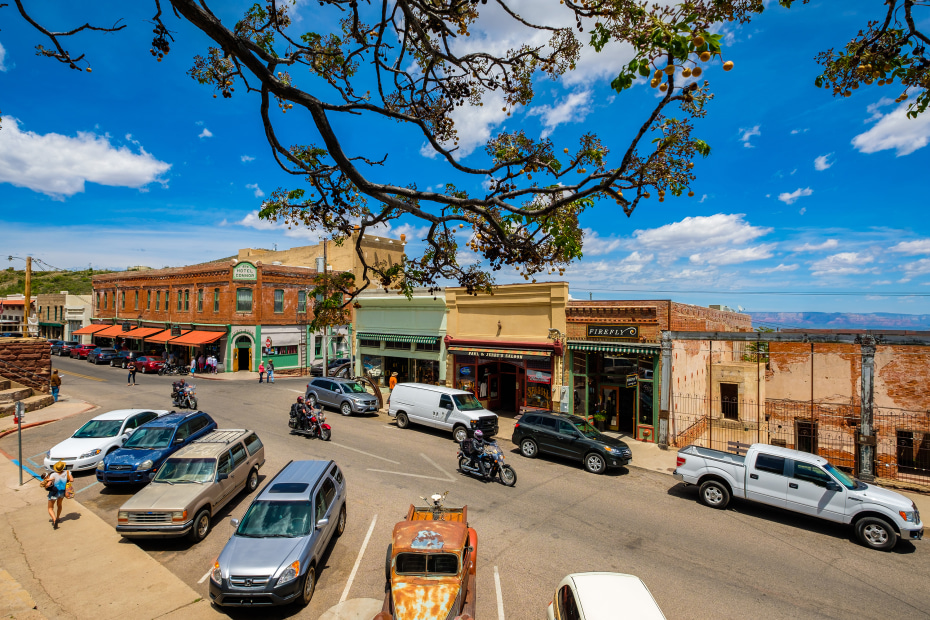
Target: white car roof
{"points": [[433, 388], [122, 414], [602, 596]]}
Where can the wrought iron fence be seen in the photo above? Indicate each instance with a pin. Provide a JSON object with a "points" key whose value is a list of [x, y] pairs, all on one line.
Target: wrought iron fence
{"points": [[902, 450]]}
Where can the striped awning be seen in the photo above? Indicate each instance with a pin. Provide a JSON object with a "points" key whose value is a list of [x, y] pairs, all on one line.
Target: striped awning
{"points": [[487, 352], [611, 347], [399, 338]]}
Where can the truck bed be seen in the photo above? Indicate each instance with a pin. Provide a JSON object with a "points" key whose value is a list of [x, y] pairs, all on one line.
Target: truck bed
{"points": [[718, 455]]}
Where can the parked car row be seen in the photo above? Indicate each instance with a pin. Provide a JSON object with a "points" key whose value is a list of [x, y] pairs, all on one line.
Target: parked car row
{"points": [[115, 358]]}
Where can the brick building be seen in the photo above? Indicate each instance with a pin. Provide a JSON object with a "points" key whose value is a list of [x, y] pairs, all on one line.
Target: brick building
{"points": [[614, 356], [52, 315]]}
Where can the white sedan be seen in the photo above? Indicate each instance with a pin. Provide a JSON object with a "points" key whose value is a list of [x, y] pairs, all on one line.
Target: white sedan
{"points": [[603, 596], [93, 441]]}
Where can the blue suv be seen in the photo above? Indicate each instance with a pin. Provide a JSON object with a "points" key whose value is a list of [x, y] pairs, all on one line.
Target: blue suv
{"points": [[149, 446]]}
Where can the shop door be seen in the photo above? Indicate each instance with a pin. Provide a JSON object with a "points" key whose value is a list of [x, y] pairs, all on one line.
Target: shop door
{"points": [[627, 410], [243, 358], [508, 387], [609, 400]]}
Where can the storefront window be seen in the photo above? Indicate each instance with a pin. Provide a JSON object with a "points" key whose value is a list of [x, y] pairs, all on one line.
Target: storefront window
{"points": [[426, 371], [244, 300], [371, 344], [372, 367], [645, 402], [403, 346], [431, 346]]}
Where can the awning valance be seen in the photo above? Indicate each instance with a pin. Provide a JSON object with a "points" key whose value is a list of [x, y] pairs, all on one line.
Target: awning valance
{"points": [[399, 338], [500, 353], [111, 331], [164, 336], [613, 347], [196, 337], [142, 332], [89, 329], [50, 324]]}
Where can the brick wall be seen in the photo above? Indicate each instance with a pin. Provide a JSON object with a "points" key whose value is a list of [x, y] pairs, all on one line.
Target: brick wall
{"points": [[652, 316], [26, 361]]}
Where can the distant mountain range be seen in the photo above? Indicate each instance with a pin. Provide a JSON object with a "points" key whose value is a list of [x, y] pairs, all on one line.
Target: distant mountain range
{"points": [[840, 320]]}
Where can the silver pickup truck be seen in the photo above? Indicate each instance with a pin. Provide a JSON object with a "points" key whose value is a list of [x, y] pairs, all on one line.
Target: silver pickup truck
{"points": [[803, 483], [193, 485]]}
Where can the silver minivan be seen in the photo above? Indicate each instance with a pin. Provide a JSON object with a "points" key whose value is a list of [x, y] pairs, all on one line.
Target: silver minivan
{"points": [[441, 407]]}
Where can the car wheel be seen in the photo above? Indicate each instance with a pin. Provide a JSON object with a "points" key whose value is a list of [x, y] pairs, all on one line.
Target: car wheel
{"points": [[161, 372], [715, 494], [462, 462], [876, 533], [346, 409], [460, 434], [508, 476], [529, 449], [594, 463], [341, 524], [387, 563], [201, 526], [252, 483], [143, 370], [124, 365], [311, 400], [306, 592], [402, 420]]}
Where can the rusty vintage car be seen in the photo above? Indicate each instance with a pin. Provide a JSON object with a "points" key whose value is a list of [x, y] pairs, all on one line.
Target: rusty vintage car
{"points": [[430, 565]]}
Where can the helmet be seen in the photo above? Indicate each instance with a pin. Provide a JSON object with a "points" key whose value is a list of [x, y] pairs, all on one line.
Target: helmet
{"points": [[479, 434], [300, 399]]}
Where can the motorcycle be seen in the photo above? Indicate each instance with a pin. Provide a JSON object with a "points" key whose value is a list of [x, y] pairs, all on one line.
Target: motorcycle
{"points": [[186, 397], [173, 369], [496, 467], [315, 425]]}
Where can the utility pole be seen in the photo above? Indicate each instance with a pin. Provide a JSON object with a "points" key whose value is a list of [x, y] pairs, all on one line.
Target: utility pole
{"points": [[27, 302], [325, 327]]}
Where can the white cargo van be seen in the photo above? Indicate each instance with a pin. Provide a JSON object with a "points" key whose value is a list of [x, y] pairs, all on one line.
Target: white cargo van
{"points": [[441, 407]]}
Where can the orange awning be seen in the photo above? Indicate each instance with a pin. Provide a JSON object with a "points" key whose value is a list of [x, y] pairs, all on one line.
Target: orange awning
{"points": [[142, 332], [165, 336], [89, 329], [111, 331], [196, 337]]}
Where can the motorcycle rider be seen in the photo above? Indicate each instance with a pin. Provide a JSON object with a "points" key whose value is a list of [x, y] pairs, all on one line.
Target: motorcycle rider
{"points": [[299, 411], [474, 449], [176, 388]]}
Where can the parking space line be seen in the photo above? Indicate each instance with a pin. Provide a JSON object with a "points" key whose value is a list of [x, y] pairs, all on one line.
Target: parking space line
{"points": [[39, 454], [74, 374], [298, 391], [400, 473], [206, 576], [358, 560], [374, 456], [441, 470], [88, 486], [500, 597]]}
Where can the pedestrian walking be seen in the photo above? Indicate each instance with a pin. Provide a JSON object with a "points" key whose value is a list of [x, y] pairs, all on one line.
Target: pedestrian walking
{"points": [[193, 365], [55, 382], [261, 371], [201, 363], [270, 371], [56, 483], [213, 363], [131, 378], [392, 382]]}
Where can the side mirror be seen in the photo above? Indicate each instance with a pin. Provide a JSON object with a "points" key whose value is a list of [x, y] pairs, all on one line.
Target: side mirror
{"points": [[234, 522], [178, 440], [832, 486], [322, 523], [222, 476], [449, 406], [151, 475]]}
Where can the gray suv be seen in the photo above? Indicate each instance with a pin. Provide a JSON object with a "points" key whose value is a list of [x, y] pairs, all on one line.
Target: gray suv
{"points": [[274, 555], [346, 395]]}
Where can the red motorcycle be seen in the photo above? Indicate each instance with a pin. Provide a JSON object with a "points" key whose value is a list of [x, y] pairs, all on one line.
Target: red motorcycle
{"points": [[313, 425]]}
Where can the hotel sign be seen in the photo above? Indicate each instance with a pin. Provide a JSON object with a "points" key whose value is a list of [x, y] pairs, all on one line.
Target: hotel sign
{"points": [[613, 331], [245, 272]]}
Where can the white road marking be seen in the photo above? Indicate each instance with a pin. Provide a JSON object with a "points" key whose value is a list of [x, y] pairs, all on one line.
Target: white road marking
{"points": [[358, 560], [400, 473], [441, 470], [374, 456], [88, 486], [301, 392], [500, 597], [205, 577]]}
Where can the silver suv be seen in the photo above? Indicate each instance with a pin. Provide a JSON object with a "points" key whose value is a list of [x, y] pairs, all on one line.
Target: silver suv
{"points": [[193, 485], [275, 553], [346, 395]]}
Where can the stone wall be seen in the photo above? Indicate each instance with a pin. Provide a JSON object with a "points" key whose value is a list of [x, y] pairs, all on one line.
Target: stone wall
{"points": [[26, 361]]}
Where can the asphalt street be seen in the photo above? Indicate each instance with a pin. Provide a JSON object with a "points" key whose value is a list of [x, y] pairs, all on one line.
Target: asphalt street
{"points": [[558, 519]]}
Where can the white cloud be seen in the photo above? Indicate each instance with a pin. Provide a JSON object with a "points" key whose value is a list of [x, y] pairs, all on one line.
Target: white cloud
{"points": [[700, 232], [894, 131], [747, 134], [881, 282], [875, 109], [791, 198], [2, 58], [246, 159], [206, 133], [821, 162], [251, 220], [474, 124], [780, 268], [829, 244], [258, 192], [920, 246], [916, 268], [797, 131], [413, 233], [572, 109], [594, 245], [59, 165], [842, 264], [734, 256], [703, 198], [802, 211]]}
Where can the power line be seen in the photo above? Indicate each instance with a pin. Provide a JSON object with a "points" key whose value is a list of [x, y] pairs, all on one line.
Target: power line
{"points": [[786, 293]]}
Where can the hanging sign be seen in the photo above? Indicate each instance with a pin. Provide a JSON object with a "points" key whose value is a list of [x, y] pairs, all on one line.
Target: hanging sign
{"points": [[175, 331], [613, 331], [245, 272], [538, 376], [631, 380]]}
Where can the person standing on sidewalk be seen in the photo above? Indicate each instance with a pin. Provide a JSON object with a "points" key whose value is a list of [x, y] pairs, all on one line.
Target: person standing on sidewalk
{"points": [[270, 371], [131, 367], [55, 382], [261, 371], [57, 483], [193, 365]]}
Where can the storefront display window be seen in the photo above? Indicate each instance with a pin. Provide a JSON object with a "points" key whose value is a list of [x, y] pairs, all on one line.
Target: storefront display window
{"points": [[372, 366]]}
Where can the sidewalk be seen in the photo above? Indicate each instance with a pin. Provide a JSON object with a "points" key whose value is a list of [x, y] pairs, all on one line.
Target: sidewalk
{"points": [[64, 408], [50, 568]]}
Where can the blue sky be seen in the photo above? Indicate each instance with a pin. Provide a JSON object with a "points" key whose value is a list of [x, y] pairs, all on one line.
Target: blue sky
{"points": [[807, 203]]}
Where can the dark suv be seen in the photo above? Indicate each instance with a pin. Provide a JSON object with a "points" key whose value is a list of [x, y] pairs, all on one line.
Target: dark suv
{"points": [[346, 395], [148, 447], [571, 436], [100, 355], [123, 357]]}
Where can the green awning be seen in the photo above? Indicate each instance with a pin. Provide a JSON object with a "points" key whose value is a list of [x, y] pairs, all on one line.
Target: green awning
{"points": [[610, 347], [400, 338], [50, 324]]}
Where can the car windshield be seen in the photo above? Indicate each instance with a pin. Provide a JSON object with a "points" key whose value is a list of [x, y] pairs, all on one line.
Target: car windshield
{"points": [[582, 425], [467, 402], [426, 564], [845, 479], [353, 388], [186, 470], [98, 428], [149, 438], [276, 519]]}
